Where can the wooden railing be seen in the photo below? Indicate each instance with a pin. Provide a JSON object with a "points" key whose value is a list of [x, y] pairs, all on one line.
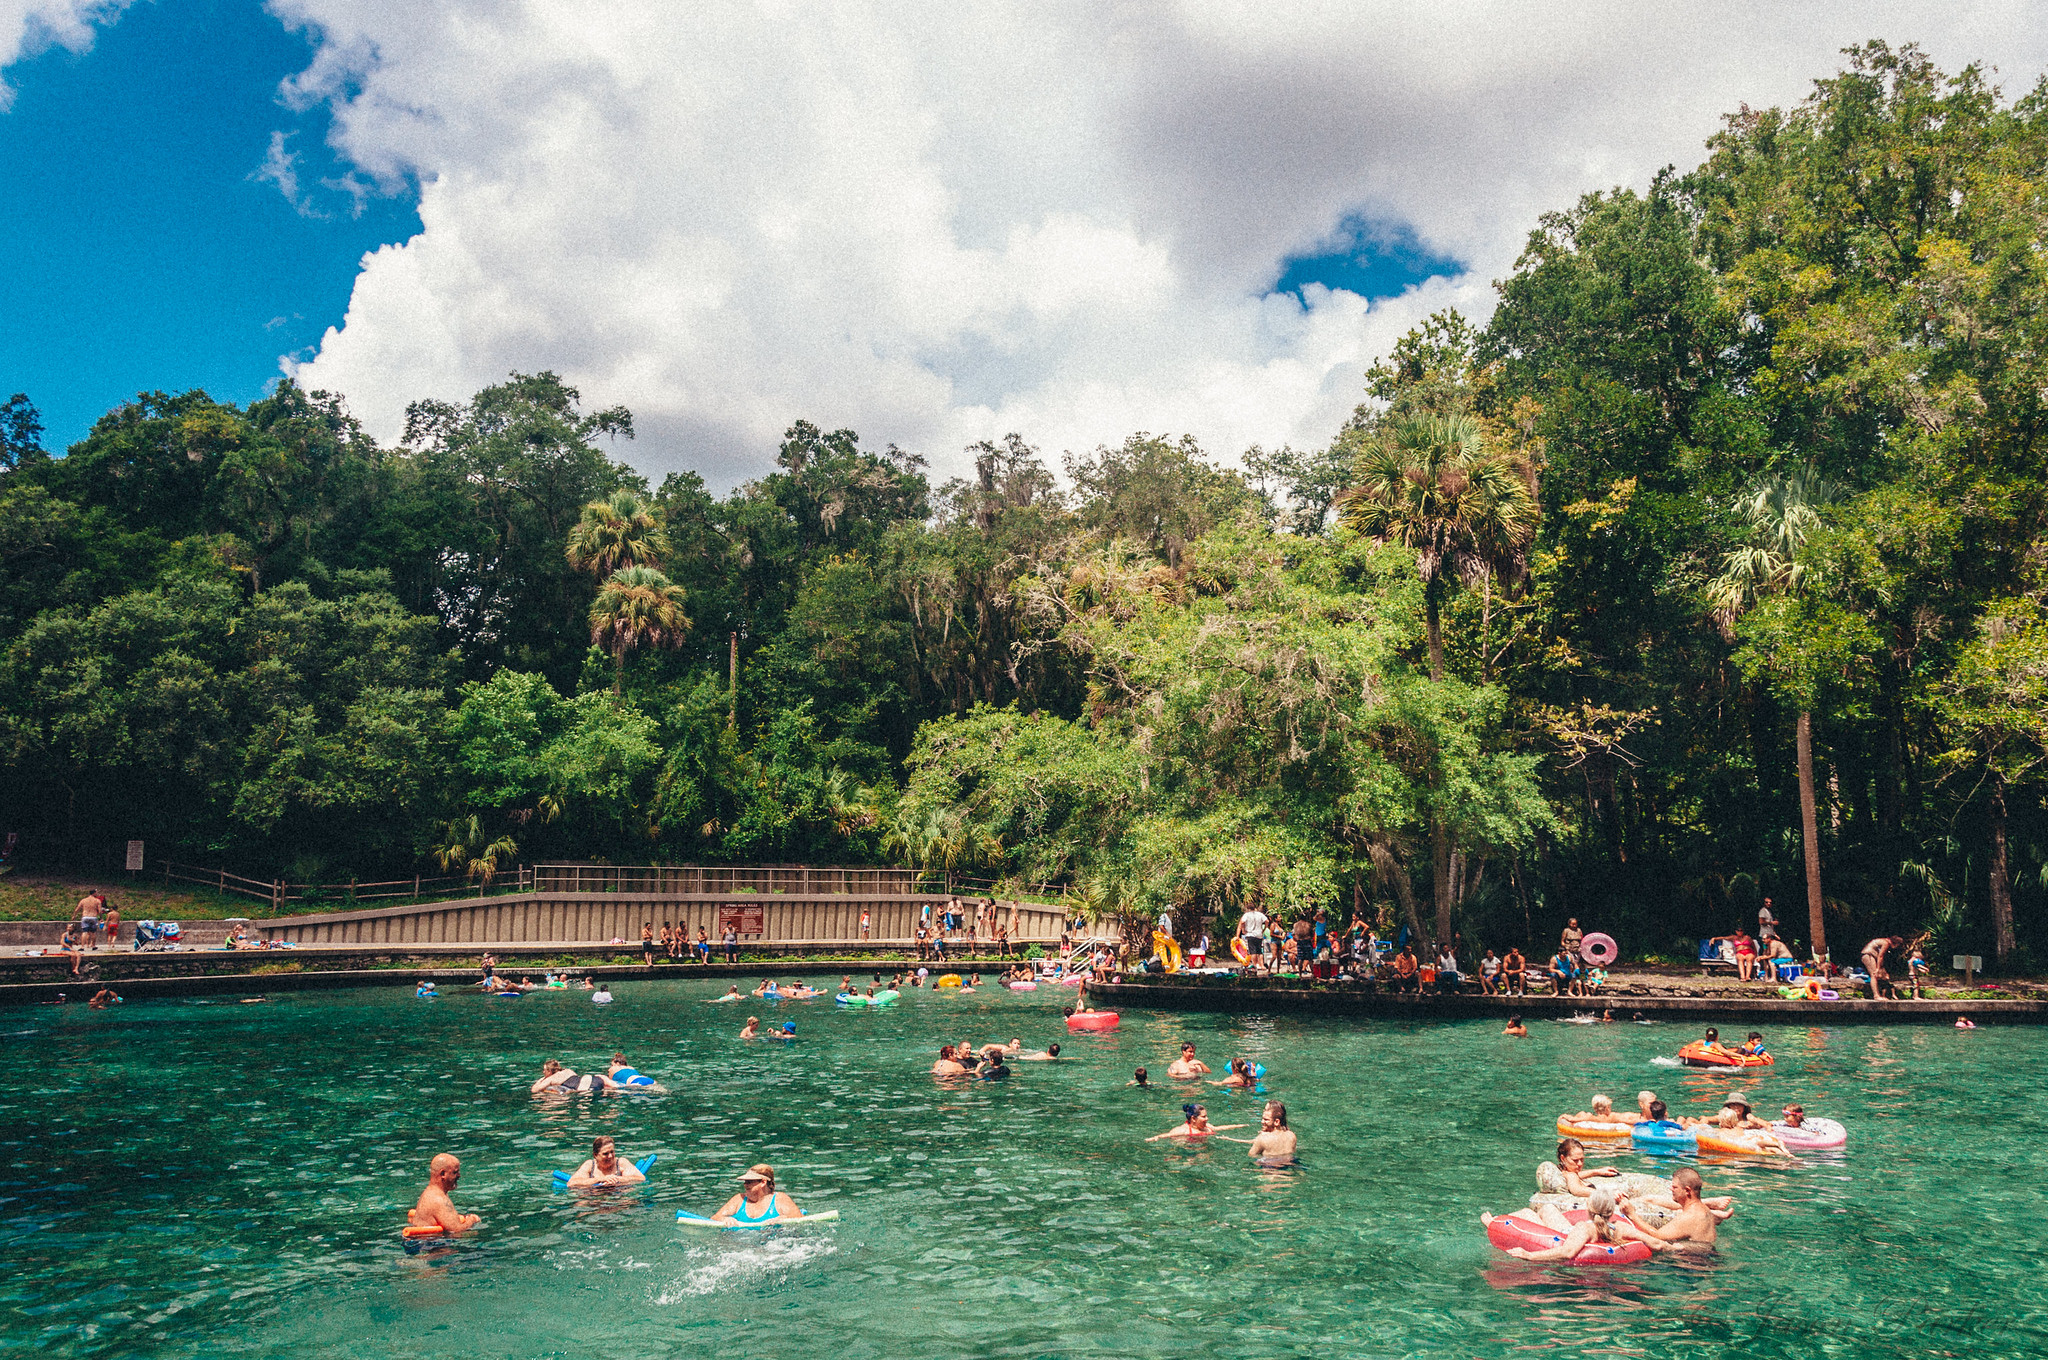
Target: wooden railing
{"points": [[799, 880], [277, 892]]}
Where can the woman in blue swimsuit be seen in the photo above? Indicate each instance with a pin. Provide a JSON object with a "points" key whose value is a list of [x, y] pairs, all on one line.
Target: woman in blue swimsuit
{"points": [[758, 1200]]}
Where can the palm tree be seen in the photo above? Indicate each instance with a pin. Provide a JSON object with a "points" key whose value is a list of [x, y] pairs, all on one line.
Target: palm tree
{"points": [[637, 606], [466, 845], [1464, 509], [1467, 510], [616, 533], [1782, 513]]}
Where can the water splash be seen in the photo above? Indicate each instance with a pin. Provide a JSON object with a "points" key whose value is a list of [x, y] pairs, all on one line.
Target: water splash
{"points": [[739, 1267]]}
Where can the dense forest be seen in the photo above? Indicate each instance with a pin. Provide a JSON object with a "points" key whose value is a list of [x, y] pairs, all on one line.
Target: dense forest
{"points": [[1712, 567]]}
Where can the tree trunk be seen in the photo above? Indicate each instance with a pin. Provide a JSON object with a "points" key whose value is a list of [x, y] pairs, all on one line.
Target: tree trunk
{"points": [[1810, 828], [618, 671], [1440, 874], [1394, 874], [732, 683], [2001, 876], [1436, 632]]}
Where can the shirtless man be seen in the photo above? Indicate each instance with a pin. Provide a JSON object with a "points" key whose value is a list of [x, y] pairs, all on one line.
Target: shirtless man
{"points": [[1187, 1066], [604, 1167], [1693, 1226], [88, 913], [1603, 1113], [1196, 1125], [948, 1065], [435, 1209], [1051, 1054], [1515, 1028], [1275, 1141]]}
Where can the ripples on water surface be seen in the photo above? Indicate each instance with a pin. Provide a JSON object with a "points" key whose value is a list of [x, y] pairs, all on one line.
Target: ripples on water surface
{"points": [[205, 1178]]}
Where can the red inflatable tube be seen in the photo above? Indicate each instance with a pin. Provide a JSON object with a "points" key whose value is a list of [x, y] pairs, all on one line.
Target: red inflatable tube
{"points": [[1092, 1020], [1530, 1234]]}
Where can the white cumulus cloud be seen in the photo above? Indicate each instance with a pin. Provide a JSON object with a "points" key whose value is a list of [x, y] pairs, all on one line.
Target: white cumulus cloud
{"points": [[28, 27], [937, 223]]}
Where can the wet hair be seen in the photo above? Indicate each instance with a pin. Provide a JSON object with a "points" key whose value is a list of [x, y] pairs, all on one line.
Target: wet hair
{"points": [[1054, 1050], [1067, 1011], [1658, 1109], [600, 1143], [1566, 1146], [1278, 1111], [1187, 1046], [1754, 1035], [1687, 1177], [1713, 1035], [1514, 1019], [618, 1057], [1139, 1077], [550, 1067], [1191, 1110]]}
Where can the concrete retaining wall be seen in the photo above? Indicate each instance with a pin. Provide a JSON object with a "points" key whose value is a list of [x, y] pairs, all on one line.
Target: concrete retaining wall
{"points": [[584, 918]]}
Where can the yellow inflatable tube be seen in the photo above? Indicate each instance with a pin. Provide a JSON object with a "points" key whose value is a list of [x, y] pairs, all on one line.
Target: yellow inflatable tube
{"points": [[1168, 950]]}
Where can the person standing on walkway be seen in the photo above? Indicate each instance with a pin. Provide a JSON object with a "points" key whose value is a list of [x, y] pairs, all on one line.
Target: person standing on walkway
{"points": [[866, 921], [1568, 939], [87, 915], [1766, 923], [732, 943]]}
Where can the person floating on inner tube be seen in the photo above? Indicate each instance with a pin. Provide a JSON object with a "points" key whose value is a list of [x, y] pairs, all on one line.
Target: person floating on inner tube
{"points": [[604, 1167], [435, 1209], [1753, 1046], [1602, 1224], [758, 1200], [1187, 1066]]}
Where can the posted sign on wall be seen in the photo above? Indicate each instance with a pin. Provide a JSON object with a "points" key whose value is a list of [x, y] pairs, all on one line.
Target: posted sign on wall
{"points": [[745, 920], [134, 856]]}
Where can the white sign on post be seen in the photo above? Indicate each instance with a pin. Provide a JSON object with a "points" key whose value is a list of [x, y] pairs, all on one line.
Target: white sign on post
{"points": [[134, 856], [1969, 964]]}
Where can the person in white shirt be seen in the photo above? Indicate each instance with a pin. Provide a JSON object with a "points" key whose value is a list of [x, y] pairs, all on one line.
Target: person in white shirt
{"points": [[1766, 923], [1251, 927]]}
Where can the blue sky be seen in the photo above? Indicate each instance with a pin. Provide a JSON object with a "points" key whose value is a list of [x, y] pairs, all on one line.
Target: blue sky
{"points": [[147, 253], [141, 252]]}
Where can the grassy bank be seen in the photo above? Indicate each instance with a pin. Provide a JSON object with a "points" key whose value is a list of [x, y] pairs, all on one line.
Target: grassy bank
{"points": [[54, 897]]}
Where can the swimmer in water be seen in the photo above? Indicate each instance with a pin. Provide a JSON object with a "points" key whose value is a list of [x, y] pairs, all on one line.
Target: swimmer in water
{"points": [[1187, 1066], [1138, 1078], [435, 1208], [1516, 1028], [1606, 1017], [948, 1065], [555, 1079], [1693, 1226], [731, 994], [1051, 1054], [1965, 1022], [1571, 1160], [604, 1168], [1275, 1141], [1196, 1125], [753, 1029], [758, 1199], [1238, 1077], [1603, 1113]]}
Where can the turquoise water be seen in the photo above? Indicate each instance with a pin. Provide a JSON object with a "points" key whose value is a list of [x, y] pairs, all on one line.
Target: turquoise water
{"points": [[205, 1178]]}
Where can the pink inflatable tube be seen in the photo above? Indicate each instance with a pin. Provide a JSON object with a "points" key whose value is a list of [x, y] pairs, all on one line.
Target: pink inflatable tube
{"points": [[1530, 1234], [1023, 986], [1599, 950], [1073, 980], [1092, 1020]]}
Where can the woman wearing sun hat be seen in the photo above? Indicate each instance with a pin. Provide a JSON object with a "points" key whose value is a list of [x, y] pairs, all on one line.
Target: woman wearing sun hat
{"points": [[758, 1200]]}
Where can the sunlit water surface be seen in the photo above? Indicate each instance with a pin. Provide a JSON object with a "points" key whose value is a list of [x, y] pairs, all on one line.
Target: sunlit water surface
{"points": [[207, 1178]]}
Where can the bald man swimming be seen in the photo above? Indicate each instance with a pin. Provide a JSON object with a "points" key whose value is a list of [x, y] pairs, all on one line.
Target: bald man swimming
{"points": [[435, 1208]]}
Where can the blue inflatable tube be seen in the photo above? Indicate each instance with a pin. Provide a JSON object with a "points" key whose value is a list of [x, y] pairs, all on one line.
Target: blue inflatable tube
{"points": [[562, 1177], [690, 1220], [1663, 1136]]}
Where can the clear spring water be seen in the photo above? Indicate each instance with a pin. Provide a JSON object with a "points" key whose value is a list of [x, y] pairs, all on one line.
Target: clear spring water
{"points": [[206, 1178]]}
